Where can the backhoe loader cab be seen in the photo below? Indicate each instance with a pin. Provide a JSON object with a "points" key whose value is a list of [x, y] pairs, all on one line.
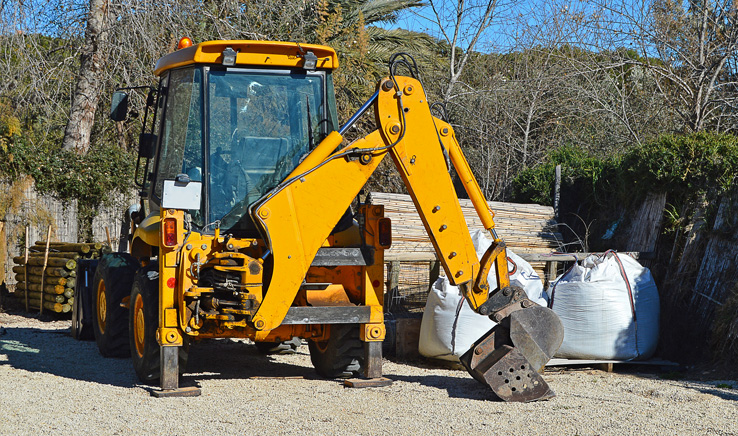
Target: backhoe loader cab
{"points": [[245, 230], [239, 126]]}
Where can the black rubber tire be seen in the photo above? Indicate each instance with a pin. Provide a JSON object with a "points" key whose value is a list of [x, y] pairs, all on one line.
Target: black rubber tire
{"points": [[110, 325], [342, 355], [286, 347], [146, 355], [80, 330]]}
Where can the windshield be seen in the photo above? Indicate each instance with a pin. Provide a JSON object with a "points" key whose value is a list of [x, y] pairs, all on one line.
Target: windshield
{"points": [[261, 124]]}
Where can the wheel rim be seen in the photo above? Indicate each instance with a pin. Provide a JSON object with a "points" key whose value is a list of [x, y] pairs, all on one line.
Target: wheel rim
{"points": [[139, 325], [102, 306]]}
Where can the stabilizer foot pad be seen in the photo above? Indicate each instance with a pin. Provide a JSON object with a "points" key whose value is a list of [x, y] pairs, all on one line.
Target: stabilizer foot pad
{"points": [[192, 391], [367, 382]]}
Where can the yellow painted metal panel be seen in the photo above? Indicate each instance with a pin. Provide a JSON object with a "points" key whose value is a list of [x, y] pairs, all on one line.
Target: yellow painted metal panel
{"points": [[250, 53], [148, 230], [299, 218]]}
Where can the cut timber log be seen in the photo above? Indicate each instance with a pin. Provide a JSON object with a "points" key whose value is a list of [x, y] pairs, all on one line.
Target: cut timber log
{"points": [[53, 289], [66, 246], [69, 264], [34, 278], [52, 253], [55, 272], [54, 298], [71, 282], [54, 307]]}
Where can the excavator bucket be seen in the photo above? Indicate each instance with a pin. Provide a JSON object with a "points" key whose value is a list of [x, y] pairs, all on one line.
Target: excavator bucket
{"points": [[510, 357]]}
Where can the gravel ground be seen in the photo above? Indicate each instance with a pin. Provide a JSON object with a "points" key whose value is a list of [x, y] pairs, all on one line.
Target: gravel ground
{"points": [[52, 384]]}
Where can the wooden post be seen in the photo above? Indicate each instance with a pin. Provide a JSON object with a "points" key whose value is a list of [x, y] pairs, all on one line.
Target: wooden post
{"points": [[434, 271], [43, 271], [107, 233], [393, 276], [557, 193], [552, 268], [25, 268]]}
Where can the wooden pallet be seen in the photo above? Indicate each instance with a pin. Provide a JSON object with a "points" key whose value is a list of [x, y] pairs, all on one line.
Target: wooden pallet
{"points": [[608, 365]]}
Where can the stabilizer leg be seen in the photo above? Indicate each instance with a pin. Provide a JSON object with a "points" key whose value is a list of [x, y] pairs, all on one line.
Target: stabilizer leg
{"points": [[169, 378], [372, 368]]}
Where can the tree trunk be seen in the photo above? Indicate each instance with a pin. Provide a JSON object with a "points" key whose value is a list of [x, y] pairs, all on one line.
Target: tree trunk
{"points": [[87, 91]]}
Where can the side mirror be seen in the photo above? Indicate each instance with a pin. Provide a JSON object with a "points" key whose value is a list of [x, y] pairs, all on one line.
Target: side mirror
{"points": [[147, 145], [119, 106]]}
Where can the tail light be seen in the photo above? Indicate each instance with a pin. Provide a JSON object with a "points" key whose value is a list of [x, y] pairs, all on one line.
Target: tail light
{"points": [[385, 232], [170, 232]]}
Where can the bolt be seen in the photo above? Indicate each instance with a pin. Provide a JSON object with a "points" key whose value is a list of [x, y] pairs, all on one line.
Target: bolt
{"points": [[387, 85], [394, 129], [170, 211], [189, 246], [526, 303], [408, 89], [188, 329], [452, 255], [506, 292], [459, 273], [497, 317], [444, 227], [302, 179], [444, 131], [483, 310], [259, 324], [204, 246], [436, 209], [230, 246], [478, 351]]}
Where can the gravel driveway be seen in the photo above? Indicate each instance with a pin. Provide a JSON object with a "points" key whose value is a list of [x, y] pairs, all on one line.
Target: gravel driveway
{"points": [[52, 384]]}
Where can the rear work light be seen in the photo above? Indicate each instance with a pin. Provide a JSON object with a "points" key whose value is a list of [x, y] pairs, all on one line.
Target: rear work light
{"points": [[170, 232], [385, 232]]}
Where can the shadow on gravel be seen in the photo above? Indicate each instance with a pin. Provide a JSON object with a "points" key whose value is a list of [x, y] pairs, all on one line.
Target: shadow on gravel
{"points": [[55, 352], [469, 389], [226, 359]]}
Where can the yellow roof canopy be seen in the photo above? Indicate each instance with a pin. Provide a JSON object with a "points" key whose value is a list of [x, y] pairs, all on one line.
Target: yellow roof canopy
{"points": [[250, 53]]}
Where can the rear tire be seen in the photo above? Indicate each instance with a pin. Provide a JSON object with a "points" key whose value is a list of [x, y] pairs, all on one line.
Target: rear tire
{"points": [[143, 323], [112, 282], [342, 355], [286, 347]]}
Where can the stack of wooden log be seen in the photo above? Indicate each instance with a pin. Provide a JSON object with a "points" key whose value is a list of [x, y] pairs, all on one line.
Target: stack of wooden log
{"points": [[52, 285]]}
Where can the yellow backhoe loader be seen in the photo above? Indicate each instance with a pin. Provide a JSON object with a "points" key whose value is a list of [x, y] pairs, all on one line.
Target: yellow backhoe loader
{"points": [[245, 227]]}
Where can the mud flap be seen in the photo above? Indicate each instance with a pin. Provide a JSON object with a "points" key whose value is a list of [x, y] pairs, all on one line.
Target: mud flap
{"points": [[510, 357]]}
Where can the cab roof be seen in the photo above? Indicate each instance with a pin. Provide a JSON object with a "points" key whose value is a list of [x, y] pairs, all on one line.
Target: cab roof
{"points": [[250, 53]]}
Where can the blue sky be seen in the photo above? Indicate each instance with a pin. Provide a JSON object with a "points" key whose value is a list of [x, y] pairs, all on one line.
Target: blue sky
{"points": [[529, 22]]}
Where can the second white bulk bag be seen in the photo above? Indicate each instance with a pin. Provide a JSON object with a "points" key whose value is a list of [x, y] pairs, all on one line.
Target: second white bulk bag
{"points": [[609, 306]]}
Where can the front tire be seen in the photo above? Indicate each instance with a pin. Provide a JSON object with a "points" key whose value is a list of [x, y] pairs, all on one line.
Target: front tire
{"points": [[111, 284], [143, 322], [342, 355]]}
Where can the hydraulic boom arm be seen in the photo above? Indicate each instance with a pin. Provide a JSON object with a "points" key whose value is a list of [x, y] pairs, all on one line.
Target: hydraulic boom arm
{"points": [[298, 215]]}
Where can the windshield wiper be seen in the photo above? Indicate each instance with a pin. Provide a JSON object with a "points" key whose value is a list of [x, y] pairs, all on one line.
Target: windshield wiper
{"points": [[310, 124]]}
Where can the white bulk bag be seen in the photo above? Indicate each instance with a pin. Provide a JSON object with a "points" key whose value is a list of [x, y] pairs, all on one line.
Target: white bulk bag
{"points": [[609, 306], [449, 328]]}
